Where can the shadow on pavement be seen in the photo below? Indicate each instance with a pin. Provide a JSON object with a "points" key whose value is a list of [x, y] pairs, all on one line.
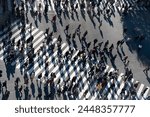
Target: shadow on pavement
{"points": [[137, 33]]}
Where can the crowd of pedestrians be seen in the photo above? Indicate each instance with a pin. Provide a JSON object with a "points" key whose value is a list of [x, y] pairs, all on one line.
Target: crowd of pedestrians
{"points": [[95, 55]]}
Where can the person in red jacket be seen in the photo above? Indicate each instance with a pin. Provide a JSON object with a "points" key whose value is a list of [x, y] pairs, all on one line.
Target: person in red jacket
{"points": [[54, 19]]}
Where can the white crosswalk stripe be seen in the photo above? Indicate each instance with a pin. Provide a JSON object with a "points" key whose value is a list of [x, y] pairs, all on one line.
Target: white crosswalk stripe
{"points": [[140, 90], [87, 89], [43, 3]]}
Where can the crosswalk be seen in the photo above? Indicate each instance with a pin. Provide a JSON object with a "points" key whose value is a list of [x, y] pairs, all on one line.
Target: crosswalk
{"points": [[132, 3], [52, 6], [87, 89]]}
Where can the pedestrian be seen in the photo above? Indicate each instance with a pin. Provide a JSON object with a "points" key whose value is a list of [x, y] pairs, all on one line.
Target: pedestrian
{"points": [[17, 81], [5, 84], [95, 41], [88, 45], [111, 48], [106, 43], [0, 87], [46, 31], [39, 96], [100, 24], [66, 29], [20, 91], [125, 59], [76, 6], [1, 73], [85, 93], [54, 19], [6, 95], [45, 10], [118, 43], [144, 91], [100, 44], [59, 39], [73, 35], [74, 44], [30, 26], [125, 30], [139, 47], [141, 37], [136, 84], [86, 32], [121, 43], [78, 30], [40, 8], [32, 76], [146, 70]]}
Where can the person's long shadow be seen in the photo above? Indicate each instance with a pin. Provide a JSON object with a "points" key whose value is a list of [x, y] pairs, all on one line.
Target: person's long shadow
{"points": [[39, 86], [148, 79], [67, 14], [17, 92], [83, 15], [77, 15], [101, 33], [94, 24], [60, 21], [72, 16], [108, 20], [22, 66], [10, 70], [46, 91], [54, 26], [52, 91], [64, 14], [36, 23], [123, 53], [32, 13], [91, 18], [26, 93], [40, 17], [65, 97], [46, 18], [119, 53]]}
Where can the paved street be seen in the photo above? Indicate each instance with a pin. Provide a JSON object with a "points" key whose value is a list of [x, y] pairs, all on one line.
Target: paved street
{"points": [[111, 29]]}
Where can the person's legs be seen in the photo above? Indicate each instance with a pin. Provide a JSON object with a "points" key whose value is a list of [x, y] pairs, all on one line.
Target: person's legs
{"points": [[146, 70]]}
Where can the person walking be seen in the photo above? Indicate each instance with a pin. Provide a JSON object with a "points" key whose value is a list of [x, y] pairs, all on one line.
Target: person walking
{"points": [[125, 59], [32, 76], [111, 48], [118, 44], [20, 91], [66, 29], [5, 84], [146, 70], [0, 87], [46, 32], [54, 19], [45, 10]]}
